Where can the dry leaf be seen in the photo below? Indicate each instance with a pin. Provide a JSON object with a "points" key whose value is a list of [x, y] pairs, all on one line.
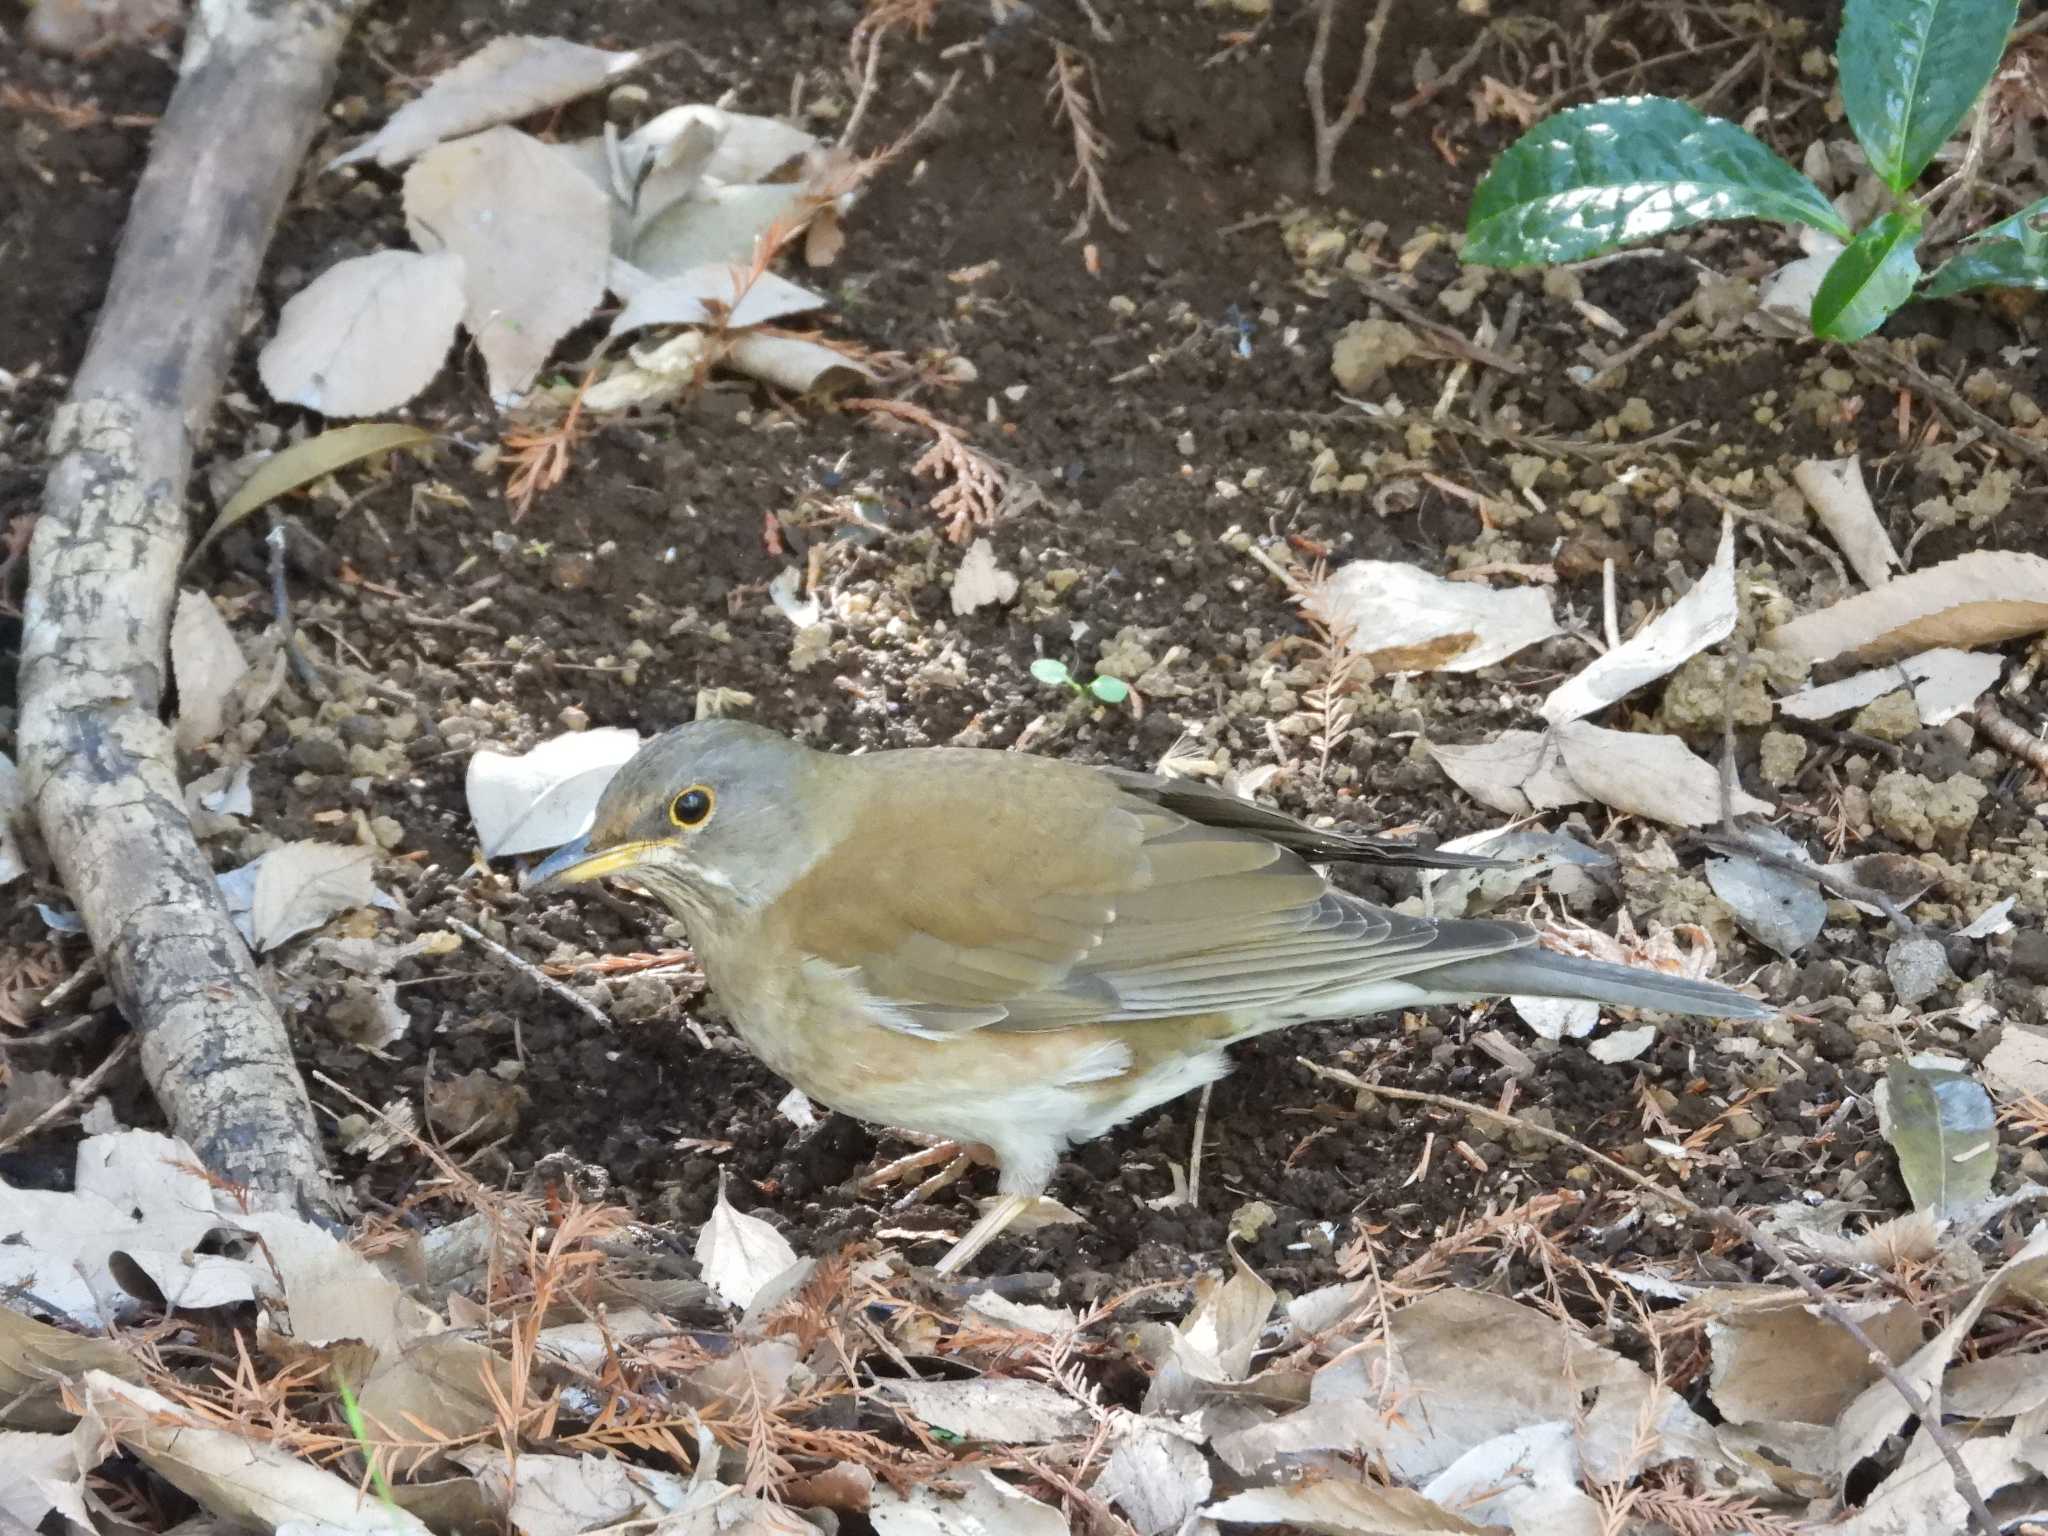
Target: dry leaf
{"points": [[1776, 1359], [534, 237], [35, 1358], [206, 663], [1654, 776], [739, 1254], [1972, 601], [1558, 1018], [978, 582], [2018, 1065], [366, 335], [1403, 619], [506, 79], [1944, 682], [1156, 1474], [546, 797], [1341, 1507], [995, 1411], [1619, 1045], [1516, 773], [793, 363], [707, 296], [305, 462], [1704, 616], [716, 226], [1835, 490], [1942, 1128], [295, 887], [990, 1507], [12, 812]]}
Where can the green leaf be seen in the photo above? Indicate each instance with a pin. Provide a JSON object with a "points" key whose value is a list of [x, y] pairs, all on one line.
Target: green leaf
{"points": [[1870, 279], [1049, 670], [1910, 69], [1630, 169], [303, 463], [1943, 1130], [1111, 690], [2030, 223], [1989, 264]]}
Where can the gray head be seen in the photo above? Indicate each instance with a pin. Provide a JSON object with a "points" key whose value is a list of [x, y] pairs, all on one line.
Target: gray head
{"points": [[707, 817]]}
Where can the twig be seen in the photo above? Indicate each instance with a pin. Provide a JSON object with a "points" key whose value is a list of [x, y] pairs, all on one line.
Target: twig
{"points": [[1912, 375], [531, 972], [2010, 736], [1649, 338], [1452, 74], [48, 1037], [87, 973], [1610, 620], [82, 1090], [1764, 520], [868, 73], [281, 610], [1195, 1153], [1728, 1220], [1443, 334], [1747, 847], [1329, 132]]}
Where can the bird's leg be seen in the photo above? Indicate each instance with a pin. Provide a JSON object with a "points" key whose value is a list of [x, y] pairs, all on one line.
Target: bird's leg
{"points": [[985, 1231], [951, 1157]]}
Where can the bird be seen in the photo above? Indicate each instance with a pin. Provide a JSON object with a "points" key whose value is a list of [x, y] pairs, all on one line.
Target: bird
{"points": [[1018, 953]]}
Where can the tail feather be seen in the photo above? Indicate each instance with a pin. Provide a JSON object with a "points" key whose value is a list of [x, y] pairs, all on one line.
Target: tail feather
{"points": [[1534, 972]]}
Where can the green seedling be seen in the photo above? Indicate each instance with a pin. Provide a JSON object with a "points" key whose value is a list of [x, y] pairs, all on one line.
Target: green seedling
{"points": [[1630, 169], [352, 1411], [1110, 690]]}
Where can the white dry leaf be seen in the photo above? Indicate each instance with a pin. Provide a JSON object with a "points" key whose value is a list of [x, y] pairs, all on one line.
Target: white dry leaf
{"points": [[1619, 1045], [1704, 616], [1996, 1386], [1404, 619], [245, 1479], [1788, 293], [533, 235], [39, 1473], [367, 1015], [717, 226], [1156, 1475], [1216, 1340], [13, 810], [1025, 1316], [989, 1507], [785, 591], [1835, 490], [1944, 682], [507, 79], [1340, 1507], [1654, 776], [795, 1107], [1776, 1360], [739, 1254], [1992, 921], [217, 801], [746, 146], [1558, 1018], [715, 295], [590, 1346], [544, 1495], [1516, 773], [1879, 1411], [206, 663], [367, 334], [993, 1410], [1975, 600], [2018, 1065], [1920, 1497], [295, 887], [653, 376], [1526, 1480], [793, 362], [543, 798], [979, 582], [1771, 906]]}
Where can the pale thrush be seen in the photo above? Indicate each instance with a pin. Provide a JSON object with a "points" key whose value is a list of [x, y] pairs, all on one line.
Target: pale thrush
{"points": [[1021, 952]]}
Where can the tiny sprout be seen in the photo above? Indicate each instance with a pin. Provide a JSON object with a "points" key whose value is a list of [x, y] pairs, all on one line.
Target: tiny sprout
{"points": [[1108, 690]]}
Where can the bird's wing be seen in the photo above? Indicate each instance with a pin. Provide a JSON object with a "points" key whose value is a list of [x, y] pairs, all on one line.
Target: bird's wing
{"points": [[1068, 900]]}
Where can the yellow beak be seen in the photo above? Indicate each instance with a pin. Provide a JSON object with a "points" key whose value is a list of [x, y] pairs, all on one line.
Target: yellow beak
{"points": [[577, 863]]}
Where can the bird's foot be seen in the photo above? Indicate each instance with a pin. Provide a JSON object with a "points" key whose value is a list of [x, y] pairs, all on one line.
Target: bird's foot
{"points": [[952, 1159]]}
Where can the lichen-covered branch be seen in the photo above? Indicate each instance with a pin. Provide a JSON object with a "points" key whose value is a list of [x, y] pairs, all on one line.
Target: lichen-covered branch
{"points": [[96, 757]]}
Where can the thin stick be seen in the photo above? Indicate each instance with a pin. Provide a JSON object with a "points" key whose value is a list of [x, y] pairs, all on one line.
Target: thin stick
{"points": [[1195, 1153], [1442, 333], [867, 87], [1730, 1221], [1609, 618], [1329, 133], [87, 973], [1740, 843], [1650, 338], [48, 1037], [1764, 520], [82, 1090], [531, 972], [1898, 370], [2008, 735], [281, 610]]}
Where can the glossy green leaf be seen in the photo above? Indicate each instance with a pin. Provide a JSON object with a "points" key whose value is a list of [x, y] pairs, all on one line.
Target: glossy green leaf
{"points": [[1910, 69], [1625, 170], [1111, 690], [1049, 670], [1990, 264], [1941, 1126], [1870, 279]]}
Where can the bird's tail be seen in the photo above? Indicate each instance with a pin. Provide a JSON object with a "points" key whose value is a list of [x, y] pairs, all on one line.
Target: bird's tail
{"points": [[1536, 972]]}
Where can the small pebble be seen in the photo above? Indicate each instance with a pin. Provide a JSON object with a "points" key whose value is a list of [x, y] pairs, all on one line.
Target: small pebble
{"points": [[320, 749]]}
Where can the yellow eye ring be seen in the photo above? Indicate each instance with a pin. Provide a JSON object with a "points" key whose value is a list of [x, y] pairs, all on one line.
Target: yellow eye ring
{"points": [[693, 807]]}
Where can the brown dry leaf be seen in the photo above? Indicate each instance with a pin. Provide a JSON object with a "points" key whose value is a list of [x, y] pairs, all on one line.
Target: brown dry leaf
{"points": [[206, 664], [506, 79], [533, 233], [242, 1478], [1340, 1507], [1777, 1360], [35, 1357], [1654, 776], [1403, 619], [367, 334], [1972, 601], [794, 363], [988, 1507]]}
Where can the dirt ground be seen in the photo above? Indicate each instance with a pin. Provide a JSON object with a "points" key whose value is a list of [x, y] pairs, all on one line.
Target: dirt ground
{"points": [[1152, 388]]}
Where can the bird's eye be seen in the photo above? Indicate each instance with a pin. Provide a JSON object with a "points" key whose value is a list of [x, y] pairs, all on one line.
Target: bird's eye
{"points": [[692, 808]]}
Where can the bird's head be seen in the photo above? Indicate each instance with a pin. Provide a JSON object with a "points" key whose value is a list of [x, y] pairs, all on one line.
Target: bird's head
{"points": [[709, 817]]}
